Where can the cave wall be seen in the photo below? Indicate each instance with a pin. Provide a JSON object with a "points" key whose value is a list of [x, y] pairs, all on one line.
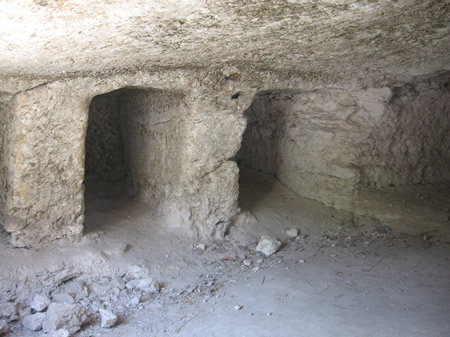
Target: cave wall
{"points": [[104, 148], [4, 121], [327, 144], [45, 163], [153, 132], [411, 144], [179, 136], [307, 140]]}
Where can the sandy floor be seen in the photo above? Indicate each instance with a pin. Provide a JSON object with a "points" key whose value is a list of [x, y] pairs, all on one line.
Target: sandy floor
{"points": [[339, 277]]}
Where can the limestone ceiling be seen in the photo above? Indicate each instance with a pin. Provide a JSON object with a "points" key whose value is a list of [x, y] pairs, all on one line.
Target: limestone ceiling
{"points": [[332, 38]]}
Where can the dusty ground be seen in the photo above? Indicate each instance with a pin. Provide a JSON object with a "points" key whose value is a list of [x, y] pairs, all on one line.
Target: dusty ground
{"points": [[339, 277]]}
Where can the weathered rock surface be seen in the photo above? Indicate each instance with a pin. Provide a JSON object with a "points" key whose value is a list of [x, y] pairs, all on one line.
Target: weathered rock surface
{"points": [[327, 144], [64, 316], [63, 298], [333, 114], [3, 327], [268, 245], [8, 311], [108, 318], [34, 321], [147, 285], [321, 40], [292, 232], [39, 302]]}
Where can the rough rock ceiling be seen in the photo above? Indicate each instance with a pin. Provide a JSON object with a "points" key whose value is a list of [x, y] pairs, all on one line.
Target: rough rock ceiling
{"points": [[330, 38]]}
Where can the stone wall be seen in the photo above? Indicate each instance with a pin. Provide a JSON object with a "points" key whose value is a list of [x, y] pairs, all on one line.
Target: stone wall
{"points": [[178, 141], [411, 144], [308, 140], [4, 120], [154, 134], [327, 144], [45, 165]]}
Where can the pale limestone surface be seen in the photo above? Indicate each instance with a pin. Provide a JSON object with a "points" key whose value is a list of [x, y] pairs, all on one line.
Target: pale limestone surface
{"points": [[190, 69], [327, 144], [327, 39]]}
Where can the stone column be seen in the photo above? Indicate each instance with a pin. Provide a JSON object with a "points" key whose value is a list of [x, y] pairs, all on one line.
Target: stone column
{"points": [[45, 158], [210, 176]]}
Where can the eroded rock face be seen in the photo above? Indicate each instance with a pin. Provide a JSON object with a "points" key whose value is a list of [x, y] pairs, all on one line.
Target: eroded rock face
{"points": [[177, 143], [411, 143], [171, 90], [325, 144], [327, 40]]}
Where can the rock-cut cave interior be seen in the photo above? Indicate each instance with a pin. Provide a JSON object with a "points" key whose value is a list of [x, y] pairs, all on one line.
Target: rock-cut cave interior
{"points": [[225, 168]]}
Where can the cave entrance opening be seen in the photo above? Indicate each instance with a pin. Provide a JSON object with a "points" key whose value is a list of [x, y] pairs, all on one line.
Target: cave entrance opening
{"points": [[108, 170], [259, 156], [133, 154]]}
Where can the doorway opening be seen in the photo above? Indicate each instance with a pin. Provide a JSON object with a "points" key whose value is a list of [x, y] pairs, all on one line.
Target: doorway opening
{"points": [[132, 152]]}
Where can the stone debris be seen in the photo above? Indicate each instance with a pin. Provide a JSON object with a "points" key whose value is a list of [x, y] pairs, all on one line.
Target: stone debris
{"points": [[200, 246], [238, 307], [8, 311], [59, 333], [267, 245], [62, 315], [63, 298], [75, 288], [247, 262], [292, 232], [148, 285], [109, 319], [39, 302], [3, 327], [24, 311], [243, 218], [34, 321]]}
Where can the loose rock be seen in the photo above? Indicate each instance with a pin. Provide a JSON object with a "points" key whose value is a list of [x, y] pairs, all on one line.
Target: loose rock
{"points": [[60, 333], [64, 316], [63, 298], [292, 232], [3, 327], [148, 285], [34, 322], [109, 319], [267, 245], [8, 311], [39, 302]]}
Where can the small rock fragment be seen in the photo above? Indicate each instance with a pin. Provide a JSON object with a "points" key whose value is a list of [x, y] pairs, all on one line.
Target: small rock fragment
{"points": [[25, 311], [268, 314], [8, 311], [148, 285], [267, 245], [34, 322], [39, 302], [134, 301], [60, 333], [109, 319], [301, 261], [247, 262], [292, 232], [238, 307], [64, 316], [3, 327], [200, 246], [63, 298]]}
